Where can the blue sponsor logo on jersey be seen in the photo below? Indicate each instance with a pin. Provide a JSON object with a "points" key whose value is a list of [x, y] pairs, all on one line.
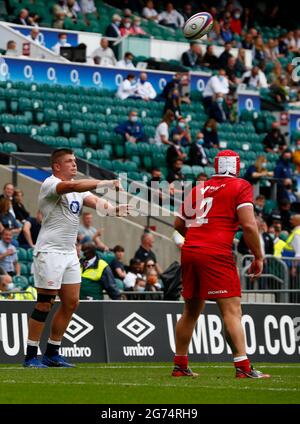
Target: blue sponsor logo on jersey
{"points": [[75, 207]]}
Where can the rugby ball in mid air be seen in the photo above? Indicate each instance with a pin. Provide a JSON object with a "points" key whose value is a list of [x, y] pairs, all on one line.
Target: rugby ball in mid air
{"points": [[198, 25]]}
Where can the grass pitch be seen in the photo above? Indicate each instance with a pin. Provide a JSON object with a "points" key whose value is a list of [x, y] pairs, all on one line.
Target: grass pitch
{"points": [[147, 384]]}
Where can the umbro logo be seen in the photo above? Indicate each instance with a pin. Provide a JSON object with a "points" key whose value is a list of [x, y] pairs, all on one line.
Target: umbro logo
{"points": [[77, 329], [136, 327]]}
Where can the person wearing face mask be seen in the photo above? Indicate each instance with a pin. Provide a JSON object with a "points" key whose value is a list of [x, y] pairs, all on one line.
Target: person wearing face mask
{"points": [[136, 27], [127, 88], [274, 141], [235, 23], [144, 88], [285, 191], [258, 170], [210, 133], [96, 276], [126, 27], [126, 63], [132, 130], [219, 110], [9, 291], [216, 85], [197, 155], [113, 29], [174, 152], [283, 168], [62, 42], [182, 132]]}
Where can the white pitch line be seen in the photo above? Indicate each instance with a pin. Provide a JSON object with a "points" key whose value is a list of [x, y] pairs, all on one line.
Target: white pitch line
{"points": [[84, 383]]}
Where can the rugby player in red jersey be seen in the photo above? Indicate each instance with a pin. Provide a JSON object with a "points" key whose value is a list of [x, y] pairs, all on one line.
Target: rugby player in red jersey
{"points": [[208, 219]]}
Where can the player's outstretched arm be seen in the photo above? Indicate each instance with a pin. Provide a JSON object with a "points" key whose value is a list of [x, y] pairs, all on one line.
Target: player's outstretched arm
{"points": [[80, 186], [251, 235]]}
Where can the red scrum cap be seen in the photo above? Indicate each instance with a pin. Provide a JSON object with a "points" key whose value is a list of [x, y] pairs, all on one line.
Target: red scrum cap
{"points": [[227, 162]]}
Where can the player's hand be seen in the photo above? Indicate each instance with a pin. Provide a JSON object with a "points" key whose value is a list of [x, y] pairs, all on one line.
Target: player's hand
{"points": [[123, 210], [116, 184], [255, 269]]}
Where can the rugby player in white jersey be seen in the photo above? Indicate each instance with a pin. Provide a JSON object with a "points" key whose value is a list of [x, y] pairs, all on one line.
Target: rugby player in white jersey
{"points": [[56, 266]]}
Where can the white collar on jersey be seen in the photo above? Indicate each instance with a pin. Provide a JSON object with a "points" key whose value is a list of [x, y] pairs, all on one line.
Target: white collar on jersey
{"points": [[224, 175]]}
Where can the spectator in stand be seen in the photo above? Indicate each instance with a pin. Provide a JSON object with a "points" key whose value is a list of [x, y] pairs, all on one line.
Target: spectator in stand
{"points": [[34, 19], [132, 130], [231, 70], [217, 84], [285, 192], [171, 17], [23, 18], [127, 88], [210, 60], [276, 72], [283, 213], [251, 78], [145, 251], [113, 29], [59, 13], [162, 130], [117, 265], [8, 254], [6, 283], [30, 231], [259, 205], [192, 58], [187, 11], [96, 275], [279, 91], [263, 82], [127, 62], [11, 49], [144, 88], [283, 45], [20, 212], [136, 28], [104, 53], [266, 241], [126, 27], [174, 152], [134, 279], [258, 171], [296, 156], [219, 110], [274, 141], [247, 19], [225, 55], [259, 50], [214, 36], [210, 133], [197, 155], [33, 37], [271, 50], [236, 23], [202, 177], [71, 10], [88, 233], [173, 102], [62, 42], [181, 132], [175, 174], [283, 168], [247, 42], [240, 63], [88, 7], [7, 220], [8, 193], [149, 12], [226, 33]]}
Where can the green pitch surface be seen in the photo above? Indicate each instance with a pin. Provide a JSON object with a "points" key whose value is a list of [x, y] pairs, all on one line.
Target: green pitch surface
{"points": [[147, 384]]}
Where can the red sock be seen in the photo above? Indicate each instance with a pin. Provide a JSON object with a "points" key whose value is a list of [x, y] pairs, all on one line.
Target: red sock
{"points": [[243, 364], [181, 361]]}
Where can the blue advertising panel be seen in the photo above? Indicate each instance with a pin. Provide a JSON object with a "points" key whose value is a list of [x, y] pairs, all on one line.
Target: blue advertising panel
{"points": [[48, 38], [294, 118], [199, 81], [248, 100], [73, 74]]}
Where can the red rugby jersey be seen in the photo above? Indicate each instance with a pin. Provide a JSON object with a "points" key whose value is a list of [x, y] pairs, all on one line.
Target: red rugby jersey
{"points": [[210, 212]]}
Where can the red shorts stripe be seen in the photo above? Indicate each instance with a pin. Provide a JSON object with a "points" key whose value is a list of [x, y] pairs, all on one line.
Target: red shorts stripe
{"points": [[206, 276]]}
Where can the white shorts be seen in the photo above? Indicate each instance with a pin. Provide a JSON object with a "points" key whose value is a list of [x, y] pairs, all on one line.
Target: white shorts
{"points": [[51, 270]]}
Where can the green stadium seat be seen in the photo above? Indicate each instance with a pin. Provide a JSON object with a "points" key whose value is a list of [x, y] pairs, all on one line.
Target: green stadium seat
{"points": [[22, 254], [9, 147], [24, 268], [20, 281]]}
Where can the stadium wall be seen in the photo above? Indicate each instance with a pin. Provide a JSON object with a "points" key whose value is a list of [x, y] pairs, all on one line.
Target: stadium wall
{"points": [[144, 331]]}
